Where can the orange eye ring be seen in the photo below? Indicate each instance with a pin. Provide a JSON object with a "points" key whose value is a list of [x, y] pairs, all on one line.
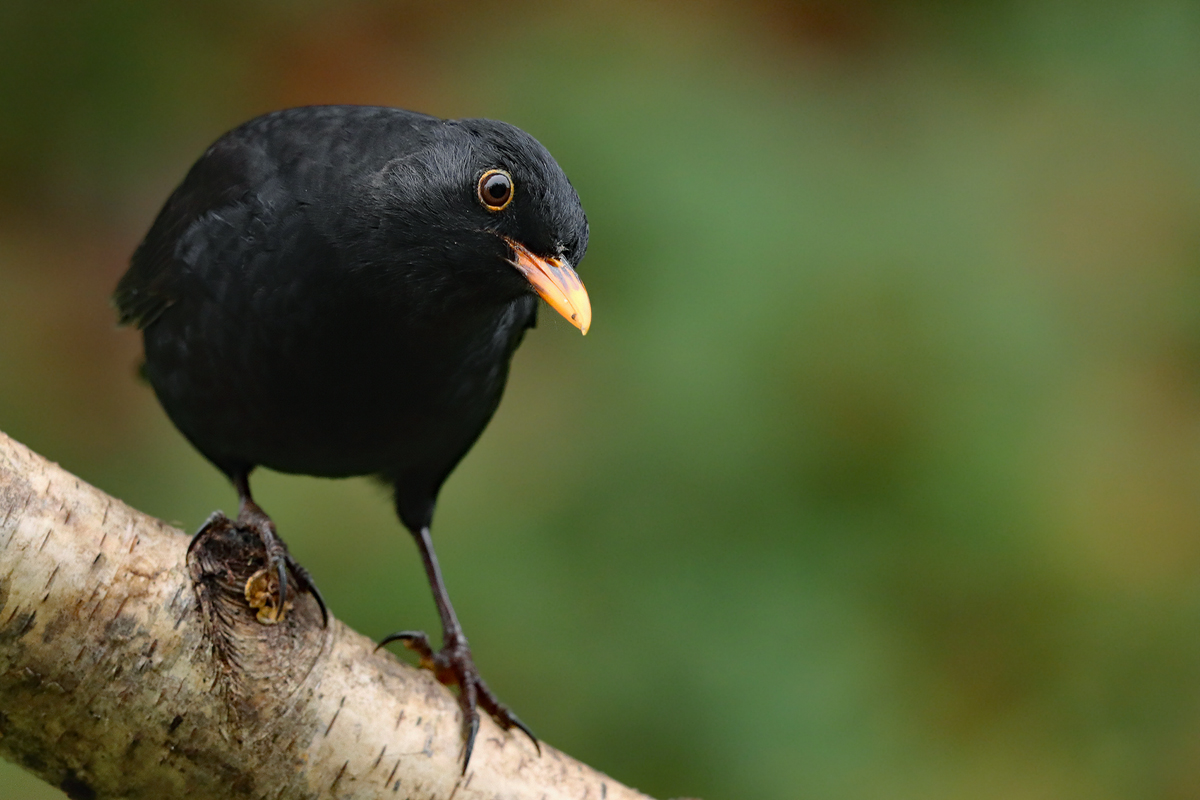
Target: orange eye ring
{"points": [[495, 189]]}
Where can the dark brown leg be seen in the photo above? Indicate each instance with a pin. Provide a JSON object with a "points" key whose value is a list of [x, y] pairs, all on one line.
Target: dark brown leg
{"points": [[453, 664]]}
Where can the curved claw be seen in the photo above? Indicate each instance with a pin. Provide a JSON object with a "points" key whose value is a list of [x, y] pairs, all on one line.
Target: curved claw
{"points": [[402, 636], [213, 518], [307, 585], [470, 721], [503, 715], [316, 593], [516, 723]]}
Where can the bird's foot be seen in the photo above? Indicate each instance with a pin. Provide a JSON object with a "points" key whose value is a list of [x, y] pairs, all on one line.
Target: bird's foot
{"points": [[267, 589], [453, 665]]}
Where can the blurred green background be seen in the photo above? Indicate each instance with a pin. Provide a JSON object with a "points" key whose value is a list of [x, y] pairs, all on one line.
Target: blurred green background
{"points": [[879, 474]]}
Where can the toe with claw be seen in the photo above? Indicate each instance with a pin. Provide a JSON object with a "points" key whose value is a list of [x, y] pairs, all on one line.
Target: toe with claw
{"points": [[453, 665]]}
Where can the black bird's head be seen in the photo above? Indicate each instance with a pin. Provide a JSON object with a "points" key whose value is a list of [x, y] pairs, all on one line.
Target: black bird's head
{"points": [[482, 209]]}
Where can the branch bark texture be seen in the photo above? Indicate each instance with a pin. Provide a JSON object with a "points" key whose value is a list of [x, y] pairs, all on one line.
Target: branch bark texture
{"points": [[130, 668]]}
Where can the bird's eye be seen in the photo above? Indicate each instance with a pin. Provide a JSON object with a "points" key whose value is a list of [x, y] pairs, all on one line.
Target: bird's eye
{"points": [[495, 189]]}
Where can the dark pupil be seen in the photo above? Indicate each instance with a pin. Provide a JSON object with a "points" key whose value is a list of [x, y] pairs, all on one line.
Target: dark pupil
{"points": [[495, 190]]}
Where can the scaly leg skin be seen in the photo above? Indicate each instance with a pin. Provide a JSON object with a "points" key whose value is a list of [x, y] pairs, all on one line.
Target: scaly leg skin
{"points": [[271, 601], [453, 665]]}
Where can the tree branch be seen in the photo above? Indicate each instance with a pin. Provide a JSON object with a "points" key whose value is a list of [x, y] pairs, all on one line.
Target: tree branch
{"points": [[129, 668]]}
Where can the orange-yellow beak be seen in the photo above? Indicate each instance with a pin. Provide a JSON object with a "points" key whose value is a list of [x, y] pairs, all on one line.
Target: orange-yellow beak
{"points": [[557, 284]]}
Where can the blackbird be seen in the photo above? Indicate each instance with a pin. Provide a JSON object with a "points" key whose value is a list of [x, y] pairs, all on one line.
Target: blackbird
{"points": [[338, 291]]}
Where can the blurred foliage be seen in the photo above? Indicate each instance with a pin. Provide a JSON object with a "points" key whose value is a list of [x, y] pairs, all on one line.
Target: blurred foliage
{"points": [[878, 475]]}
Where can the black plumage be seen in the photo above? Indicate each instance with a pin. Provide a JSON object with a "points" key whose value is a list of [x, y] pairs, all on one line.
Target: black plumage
{"points": [[338, 291]]}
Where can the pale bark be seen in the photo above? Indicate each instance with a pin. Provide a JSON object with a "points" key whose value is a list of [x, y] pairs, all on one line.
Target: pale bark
{"points": [[130, 669]]}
